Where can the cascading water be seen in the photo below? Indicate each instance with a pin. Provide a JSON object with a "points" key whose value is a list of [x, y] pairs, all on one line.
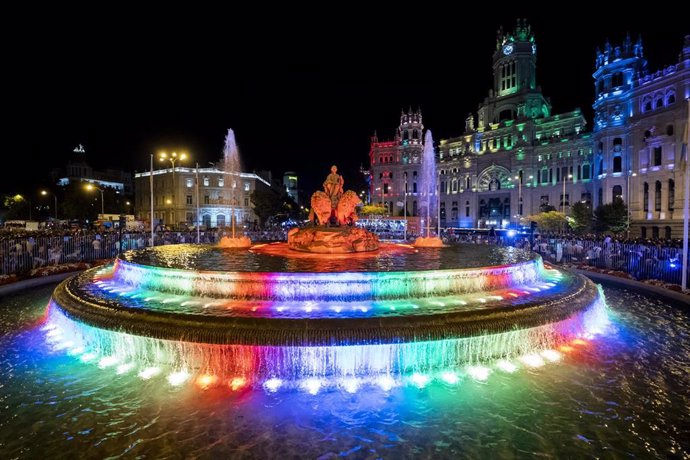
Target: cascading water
{"points": [[158, 311]]}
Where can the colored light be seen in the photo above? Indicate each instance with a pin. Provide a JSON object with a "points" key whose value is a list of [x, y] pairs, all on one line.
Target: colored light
{"points": [[551, 355], [312, 386], [107, 361], [451, 378], [351, 385], [506, 366], [532, 360], [566, 348], [272, 385], [579, 342], [124, 368], [419, 380], [206, 380], [237, 383], [149, 372], [386, 382], [480, 373], [178, 378]]}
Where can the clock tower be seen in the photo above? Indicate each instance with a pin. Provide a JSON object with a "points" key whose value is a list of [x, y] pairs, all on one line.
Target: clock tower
{"points": [[515, 92]]}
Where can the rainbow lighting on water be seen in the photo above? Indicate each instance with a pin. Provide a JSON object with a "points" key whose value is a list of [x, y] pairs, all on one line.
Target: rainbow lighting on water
{"points": [[160, 314]]}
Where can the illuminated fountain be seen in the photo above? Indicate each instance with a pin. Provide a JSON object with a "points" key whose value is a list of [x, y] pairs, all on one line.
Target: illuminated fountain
{"points": [[279, 316], [429, 195], [233, 167]]}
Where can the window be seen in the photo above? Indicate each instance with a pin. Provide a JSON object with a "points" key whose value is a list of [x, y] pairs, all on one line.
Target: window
{"points": [[669, 130], [206, 220], [585, 171], [544, 200], [189, 182], [190, 218], [206, 182], [246, 202], [586, 198], [221, 183], [385, 189], [189, 199], [645, 197], [617, 79], [657, 196], [220, 220], [670, 98], [565, 202], [659, 104], [467, 209], [601, 166], [657, 156], [414, 187], [544, 176], [655, 232], [667, 232], [643, 232], [617, 144], [617, 164], [617, 193], [207, 199], [646, 104], [468, 183], [454, 185], [414, 208], [671, 194]]}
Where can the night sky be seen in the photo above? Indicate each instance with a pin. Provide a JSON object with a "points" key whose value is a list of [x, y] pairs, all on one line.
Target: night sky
{"points": [[300, 94]]}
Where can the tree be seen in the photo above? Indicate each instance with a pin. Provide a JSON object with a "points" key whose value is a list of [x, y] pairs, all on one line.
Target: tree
{"points": [[546, 208], [268, 203], [611, 217], [581, 215], [551, 221], [17, 207], [372, 210]]}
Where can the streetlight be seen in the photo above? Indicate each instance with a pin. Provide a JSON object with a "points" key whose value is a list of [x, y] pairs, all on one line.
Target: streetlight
{"points": [[172, 158], [93, 187], [23, 198], [627, 200], [45, 193]]}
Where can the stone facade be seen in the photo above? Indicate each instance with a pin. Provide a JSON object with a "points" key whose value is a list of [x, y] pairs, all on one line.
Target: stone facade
{"points": [[175, 198]]}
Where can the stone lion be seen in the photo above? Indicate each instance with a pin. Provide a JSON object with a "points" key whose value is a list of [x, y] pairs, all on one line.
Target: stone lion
{"points": [[345, 211], [320, 208]]}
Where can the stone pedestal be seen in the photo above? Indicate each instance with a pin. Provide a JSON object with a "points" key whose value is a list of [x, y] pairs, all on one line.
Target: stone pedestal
{"points": [[335, 240]]}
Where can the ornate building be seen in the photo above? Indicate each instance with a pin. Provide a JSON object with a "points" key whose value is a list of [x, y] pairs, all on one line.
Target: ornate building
{"points": [[640, 130], [517, 159]]}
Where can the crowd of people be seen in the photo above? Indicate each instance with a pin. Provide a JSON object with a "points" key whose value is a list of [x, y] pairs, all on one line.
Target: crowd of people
{"points": [[21, 251]]}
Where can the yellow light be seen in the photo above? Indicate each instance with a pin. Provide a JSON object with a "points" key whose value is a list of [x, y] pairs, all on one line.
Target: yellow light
{"points": [[89, 186], [183, 156], [43, 192], [168, 201]]}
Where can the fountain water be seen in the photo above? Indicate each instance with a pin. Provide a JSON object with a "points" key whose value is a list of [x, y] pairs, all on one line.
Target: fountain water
{"points": [[233, 167], [430, 193]]}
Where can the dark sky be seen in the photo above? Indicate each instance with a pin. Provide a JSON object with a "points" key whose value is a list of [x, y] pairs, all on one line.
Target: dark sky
{"points": [[300, 94]]}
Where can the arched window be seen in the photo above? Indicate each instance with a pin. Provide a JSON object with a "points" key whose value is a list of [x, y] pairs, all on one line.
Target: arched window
{"points": [[468, 183], [659, 103], [220, 220], [414, 134], [617, 164], [585, 171], [645, 197], [646, 104], [617, 144], [670, 97], [454, 185], [617, 192], [671, 193], [405, 135], [657, 196]]}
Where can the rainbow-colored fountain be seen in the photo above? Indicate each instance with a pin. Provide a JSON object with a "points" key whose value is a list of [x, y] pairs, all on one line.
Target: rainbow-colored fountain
{"points": [[275, 318]]}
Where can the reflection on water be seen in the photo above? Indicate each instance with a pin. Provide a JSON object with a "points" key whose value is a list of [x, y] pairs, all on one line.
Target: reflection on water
{"points": [[276, 257], [623, 395]]}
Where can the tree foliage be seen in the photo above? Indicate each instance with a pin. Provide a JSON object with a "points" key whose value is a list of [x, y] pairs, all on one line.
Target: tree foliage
{"points": [[611, 217], [581, 218], [551, 221], [269, 203], [372, 210]]}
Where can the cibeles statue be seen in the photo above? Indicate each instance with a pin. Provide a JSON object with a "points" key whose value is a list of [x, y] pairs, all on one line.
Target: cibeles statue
{"points": [[333, 206], [333, 213]]}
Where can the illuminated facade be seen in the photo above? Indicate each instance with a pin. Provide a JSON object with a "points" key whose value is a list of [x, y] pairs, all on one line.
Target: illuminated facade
{"points": [[518, 159], [290, 184], [640, 129], [175, 199]]}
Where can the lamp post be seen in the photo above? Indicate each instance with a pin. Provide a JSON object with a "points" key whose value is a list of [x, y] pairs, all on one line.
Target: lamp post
{"points": [[93, 187], [173, 158], [627, 201], [45, 193]]}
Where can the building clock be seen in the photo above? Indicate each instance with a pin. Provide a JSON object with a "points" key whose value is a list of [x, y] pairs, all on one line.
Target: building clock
{"points": [[508, 49]]}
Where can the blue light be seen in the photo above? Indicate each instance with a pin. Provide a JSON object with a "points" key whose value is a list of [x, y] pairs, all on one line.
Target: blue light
{"points": [[511, 233]]}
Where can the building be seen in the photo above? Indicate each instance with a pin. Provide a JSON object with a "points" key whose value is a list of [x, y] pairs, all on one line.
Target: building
{"points": [[79, 170], [640, 131], [220, 195], [290, 185], [517, 159]]}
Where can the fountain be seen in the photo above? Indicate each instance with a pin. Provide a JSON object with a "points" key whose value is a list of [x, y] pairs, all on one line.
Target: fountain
{"points": [[314, 315], [232, 168], [430, 194]]}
